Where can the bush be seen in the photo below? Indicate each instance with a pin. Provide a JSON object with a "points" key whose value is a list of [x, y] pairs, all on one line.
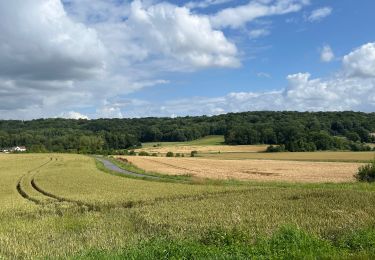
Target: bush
{"points": [[193, 153], [358, 147], [178, 155], [170, 154], [143, 153], [132, 152], [154, 155], [366, 173], [275, 149]]}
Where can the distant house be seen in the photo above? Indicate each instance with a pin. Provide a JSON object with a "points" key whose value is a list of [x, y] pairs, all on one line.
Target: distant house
{"points": [[19, 149]]}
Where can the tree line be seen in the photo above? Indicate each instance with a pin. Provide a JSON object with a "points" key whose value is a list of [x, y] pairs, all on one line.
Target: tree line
{"points": [[295, 131]]}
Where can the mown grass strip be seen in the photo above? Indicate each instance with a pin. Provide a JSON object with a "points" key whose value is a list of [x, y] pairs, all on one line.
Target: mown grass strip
{"points": [[143, 175]]}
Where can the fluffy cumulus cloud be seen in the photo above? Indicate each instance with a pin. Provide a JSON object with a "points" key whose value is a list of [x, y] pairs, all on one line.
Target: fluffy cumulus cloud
{"points": [[327, 54], [319, 14], [73, 115], [42, 53], [73, 54], [177, 33], [361, 62], [40, 42]]}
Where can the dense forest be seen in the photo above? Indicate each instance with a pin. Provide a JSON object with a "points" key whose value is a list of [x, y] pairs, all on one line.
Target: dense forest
{"points": [[293, 131]]}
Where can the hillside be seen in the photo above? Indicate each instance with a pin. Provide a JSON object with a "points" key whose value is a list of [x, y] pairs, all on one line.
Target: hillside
{"points": [[296, 130]]}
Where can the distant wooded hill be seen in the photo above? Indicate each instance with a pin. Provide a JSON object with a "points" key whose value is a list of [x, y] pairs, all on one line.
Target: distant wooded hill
{"points": [[295, 130]]}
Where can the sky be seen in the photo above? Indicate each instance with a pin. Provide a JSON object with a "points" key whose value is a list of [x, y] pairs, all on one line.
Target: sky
{"points": [[125, 59]]}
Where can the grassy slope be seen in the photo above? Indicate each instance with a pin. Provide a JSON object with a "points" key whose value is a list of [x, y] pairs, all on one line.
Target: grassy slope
{"points": [[208, 140], [254, 220]]}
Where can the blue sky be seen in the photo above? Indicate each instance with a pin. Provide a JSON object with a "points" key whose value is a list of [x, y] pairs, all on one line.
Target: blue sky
{"points": [[291, 47], [90, 59]]}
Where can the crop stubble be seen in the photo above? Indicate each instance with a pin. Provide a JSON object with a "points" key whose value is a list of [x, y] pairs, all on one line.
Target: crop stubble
{"points": [[260, 170]]}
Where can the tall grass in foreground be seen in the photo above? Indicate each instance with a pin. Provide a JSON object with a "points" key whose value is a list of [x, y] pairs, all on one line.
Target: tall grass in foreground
{"points": [[288, 242]]}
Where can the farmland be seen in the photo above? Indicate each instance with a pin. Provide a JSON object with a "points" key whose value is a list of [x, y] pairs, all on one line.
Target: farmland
{"points": [[211, 147], [260, 170], [56, 205], [341, 156], [207, 145]]}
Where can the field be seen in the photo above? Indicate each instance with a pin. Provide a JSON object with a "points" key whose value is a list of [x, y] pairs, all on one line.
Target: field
{"points": [[210, 144], [301, 156], [208, 140], [212, 147], [64, 206], [260, 170]]}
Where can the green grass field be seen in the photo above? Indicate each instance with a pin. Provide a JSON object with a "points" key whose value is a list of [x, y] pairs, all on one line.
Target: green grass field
{"points": [[63, 206], [208, 140]]}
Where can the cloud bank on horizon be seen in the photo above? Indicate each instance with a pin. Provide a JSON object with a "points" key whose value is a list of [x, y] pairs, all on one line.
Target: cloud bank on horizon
{"points": [[109, 58]]}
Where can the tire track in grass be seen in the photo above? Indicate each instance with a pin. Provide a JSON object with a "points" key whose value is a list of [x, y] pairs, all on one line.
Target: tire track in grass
{"points": [[89, 207], [22, 192], [53, 199]]}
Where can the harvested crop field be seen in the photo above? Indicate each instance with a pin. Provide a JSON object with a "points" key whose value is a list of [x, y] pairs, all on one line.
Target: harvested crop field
{"points": [[259, 170], [186, 149], [298, 156]]}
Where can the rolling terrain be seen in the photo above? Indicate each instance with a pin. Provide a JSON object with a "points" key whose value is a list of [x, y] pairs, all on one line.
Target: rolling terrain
{"points": [[71, 206]]}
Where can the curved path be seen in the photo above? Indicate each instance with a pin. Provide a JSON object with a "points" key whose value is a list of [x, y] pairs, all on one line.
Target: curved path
{"points": [[113, 167]]}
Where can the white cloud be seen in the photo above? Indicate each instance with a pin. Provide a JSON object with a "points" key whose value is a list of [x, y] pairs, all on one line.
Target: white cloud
{"points": [[44, 54], [319, 14], [257, 33], [361, 62], [55, 57], [327, 54], [179, 34], [109, 112], [40, 42], [239, 16], [73, 115]]}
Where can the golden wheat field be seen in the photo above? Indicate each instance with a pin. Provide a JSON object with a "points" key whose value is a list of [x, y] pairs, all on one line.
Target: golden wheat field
{"points": [[260, 170]]}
